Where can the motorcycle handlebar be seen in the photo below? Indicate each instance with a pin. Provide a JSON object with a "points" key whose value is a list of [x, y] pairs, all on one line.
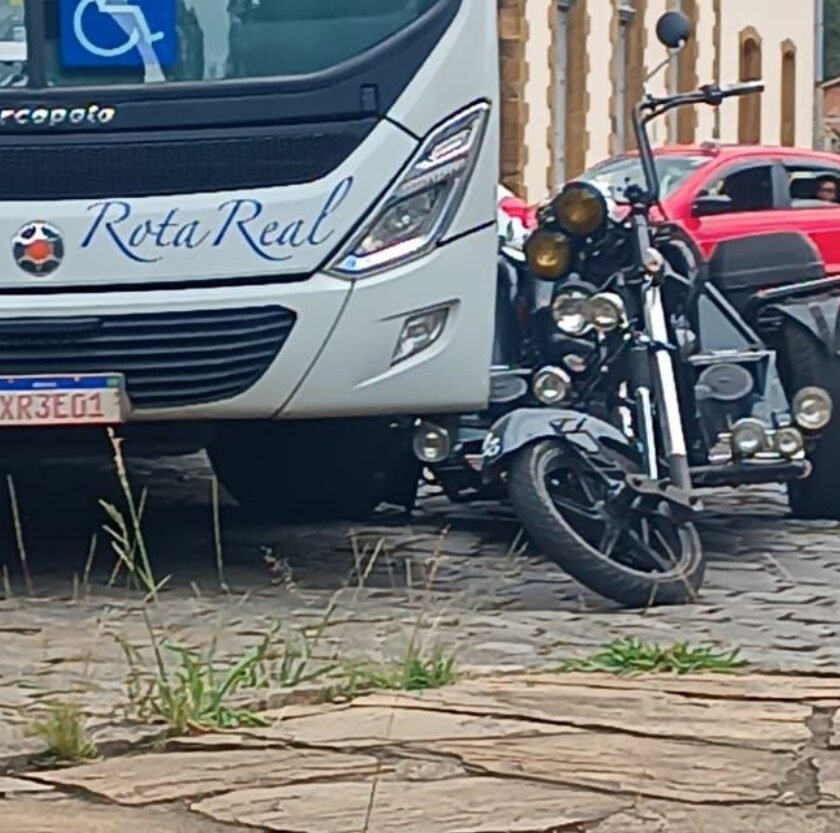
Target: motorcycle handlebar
{"points": [[651, 107], [711, 94], [748, 87]]}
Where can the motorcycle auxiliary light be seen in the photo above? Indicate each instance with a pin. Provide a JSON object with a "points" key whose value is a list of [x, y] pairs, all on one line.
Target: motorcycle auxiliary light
{"points": [[431, 443], [605, 311], [549, 254], [574, 312], [812, 408], [551, 385], [580, 209], [569, 312], [749, 437], [788, 442]]}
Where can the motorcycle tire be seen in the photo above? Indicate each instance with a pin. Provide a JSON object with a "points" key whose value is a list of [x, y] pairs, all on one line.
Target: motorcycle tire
{"points": [[611, 574], [817, 496]]}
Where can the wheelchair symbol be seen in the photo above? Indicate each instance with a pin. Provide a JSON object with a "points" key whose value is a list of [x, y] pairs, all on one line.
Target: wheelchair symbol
{"points": [[133, 23]]}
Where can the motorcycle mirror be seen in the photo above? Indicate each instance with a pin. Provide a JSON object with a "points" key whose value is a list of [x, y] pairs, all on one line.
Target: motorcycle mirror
{"points": [[673, 30]]}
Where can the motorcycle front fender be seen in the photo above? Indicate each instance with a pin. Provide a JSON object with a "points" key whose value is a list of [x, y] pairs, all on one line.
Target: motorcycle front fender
{"points": [[820, 316], [524, 426]]}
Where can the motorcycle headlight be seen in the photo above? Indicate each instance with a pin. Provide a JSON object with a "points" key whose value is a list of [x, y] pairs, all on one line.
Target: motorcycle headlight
{"points": [[549, 254], [569, 312], [580, 209], [419, 207], [605, 311]]}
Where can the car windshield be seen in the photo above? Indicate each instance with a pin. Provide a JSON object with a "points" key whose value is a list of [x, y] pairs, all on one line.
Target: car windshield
{"points": [[100, 42], [616, 174]]}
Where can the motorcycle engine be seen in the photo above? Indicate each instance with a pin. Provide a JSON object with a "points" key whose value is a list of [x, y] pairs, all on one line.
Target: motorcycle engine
{"points": [[723, 393]]}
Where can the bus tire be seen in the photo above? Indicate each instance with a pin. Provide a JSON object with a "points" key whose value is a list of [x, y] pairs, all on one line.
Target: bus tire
{"points": [[301, 472]]}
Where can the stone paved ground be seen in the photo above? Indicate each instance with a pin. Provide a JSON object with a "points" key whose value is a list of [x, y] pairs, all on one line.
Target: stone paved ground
{"points": [[519, 754], [773, 588]]}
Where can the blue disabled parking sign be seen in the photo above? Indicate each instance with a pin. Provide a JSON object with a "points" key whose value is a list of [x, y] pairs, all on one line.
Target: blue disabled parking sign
{"points": [[118, 33]]}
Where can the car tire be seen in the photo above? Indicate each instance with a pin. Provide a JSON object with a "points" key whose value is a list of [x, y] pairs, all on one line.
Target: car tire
{"points": [[808, 363], [302, 472]]}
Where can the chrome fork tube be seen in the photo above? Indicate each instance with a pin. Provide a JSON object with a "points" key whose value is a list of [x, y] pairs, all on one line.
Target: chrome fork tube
{"points": [[666, 387], [645, 418]]}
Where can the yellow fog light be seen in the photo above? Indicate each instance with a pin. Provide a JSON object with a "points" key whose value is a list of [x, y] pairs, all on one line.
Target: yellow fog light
{"points": [[549, 254], [580, 209]]}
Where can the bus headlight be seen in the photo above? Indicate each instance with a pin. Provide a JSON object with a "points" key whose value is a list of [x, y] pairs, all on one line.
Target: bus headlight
{"points": [[551, 385], [417, 210], [568, 310], [812, 408], [605, 311]]}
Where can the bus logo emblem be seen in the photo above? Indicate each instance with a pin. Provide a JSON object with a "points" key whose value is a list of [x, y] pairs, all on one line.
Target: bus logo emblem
{"points": [[38, 248]]}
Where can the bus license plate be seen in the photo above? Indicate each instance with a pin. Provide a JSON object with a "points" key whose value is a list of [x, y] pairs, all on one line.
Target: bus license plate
{"points": [[61, 400]]}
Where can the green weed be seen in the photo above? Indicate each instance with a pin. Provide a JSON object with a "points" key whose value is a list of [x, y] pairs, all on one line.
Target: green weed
{"points": [[631, 656], [63, 732]]}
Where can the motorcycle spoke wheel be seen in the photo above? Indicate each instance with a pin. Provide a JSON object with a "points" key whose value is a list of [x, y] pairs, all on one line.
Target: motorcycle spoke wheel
{"points": [[587, 499], [575, 507]]}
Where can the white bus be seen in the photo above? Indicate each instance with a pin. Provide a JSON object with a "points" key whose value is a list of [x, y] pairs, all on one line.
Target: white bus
{"points": [[266, 227]]}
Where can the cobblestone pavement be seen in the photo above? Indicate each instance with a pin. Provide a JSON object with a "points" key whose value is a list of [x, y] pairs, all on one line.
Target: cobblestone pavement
{"points": [[520, 754], [773, 589]]}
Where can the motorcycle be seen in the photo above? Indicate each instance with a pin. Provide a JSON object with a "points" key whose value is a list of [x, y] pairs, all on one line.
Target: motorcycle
{"points": [[636, 383]]}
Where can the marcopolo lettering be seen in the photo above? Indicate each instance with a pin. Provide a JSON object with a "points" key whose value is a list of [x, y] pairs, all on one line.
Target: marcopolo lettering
{"points": [[56, 116]]}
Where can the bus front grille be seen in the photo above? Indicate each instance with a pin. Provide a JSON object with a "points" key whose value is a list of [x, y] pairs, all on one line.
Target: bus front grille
{"points": [[169, 359]]}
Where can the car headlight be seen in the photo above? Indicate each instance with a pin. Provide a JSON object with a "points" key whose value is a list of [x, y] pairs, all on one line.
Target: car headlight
{"points": [[569, 312], [549, 254], [812, 408], [580, 209], [605, 311], [419, 207]]}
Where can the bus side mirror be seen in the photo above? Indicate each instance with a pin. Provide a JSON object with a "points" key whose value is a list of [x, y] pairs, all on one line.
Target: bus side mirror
{"points": [[673, 30]]}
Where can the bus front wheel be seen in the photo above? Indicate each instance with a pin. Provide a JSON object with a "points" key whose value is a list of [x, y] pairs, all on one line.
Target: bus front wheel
{"points": [[309, 471]]}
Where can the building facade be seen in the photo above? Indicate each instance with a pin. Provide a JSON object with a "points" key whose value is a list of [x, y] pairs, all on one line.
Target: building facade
{"points": [[572, 69]]}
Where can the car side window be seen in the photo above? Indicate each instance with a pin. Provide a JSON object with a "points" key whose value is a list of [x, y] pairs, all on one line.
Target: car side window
{"points": [[813, 186], [748, 189]]}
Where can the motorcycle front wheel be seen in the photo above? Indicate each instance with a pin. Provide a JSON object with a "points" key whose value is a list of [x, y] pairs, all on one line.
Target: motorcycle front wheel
{"points": [[573, 507]]}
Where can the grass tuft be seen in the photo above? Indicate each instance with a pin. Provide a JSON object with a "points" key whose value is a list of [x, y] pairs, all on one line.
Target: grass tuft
{"points": [[63, 731], [631, 656], [414, 673]]}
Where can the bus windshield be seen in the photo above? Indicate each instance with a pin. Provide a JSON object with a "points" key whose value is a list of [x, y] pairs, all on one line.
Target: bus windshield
{"points": [[102, 42]]}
